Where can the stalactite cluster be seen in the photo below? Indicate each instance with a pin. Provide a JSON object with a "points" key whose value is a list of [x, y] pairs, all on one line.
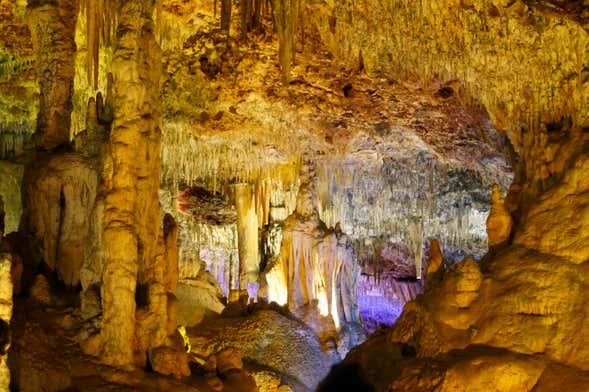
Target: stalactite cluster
{"points": [[410, 205], [315, 268], [464, 41], [100, 29]]}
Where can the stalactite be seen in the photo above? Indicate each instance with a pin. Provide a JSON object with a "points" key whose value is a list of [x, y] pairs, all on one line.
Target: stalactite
{"points": [[225, 16], [100, 27], [283, 15], [316, 268], [92, 34], [247, 234]]}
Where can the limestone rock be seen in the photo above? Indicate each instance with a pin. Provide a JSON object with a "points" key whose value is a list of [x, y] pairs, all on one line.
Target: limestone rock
{"points": [[435, 259], [270, 339], [40, 290], [169, 361], [5, 317], [499, 222], [59, 195], [90, 303], [11, 175], [197, 297], [53, 28], [468, 281], [133, 241], [349, 336], [316, 267], [266, 381], [559, 222], [229, 359]]}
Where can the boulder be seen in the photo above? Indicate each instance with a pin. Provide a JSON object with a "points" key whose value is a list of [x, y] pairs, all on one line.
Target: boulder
{"points": [[229, 359], [169, 361]]}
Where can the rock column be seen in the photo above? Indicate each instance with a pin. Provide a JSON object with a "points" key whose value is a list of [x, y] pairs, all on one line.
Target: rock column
{"points": [[247, 235], [131, 177], [53, 25]]}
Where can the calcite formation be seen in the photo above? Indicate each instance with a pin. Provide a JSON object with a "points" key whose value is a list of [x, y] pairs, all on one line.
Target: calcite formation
{"points": [[499, 221], [52, 26], [132, 212], [5, 316], [59, 197], [93, 216], [277, 342]]}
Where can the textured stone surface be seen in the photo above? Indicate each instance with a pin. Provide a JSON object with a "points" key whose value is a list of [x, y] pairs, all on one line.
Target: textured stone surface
{"points": [[52, 26], [277, 342], [198, 297], [5, 317], [59, 194], [19, 87], [10, 184], [229, 359], [558, 223], [133, 261], [488, 47], [168, 361], [525, 307], [499, 221]]}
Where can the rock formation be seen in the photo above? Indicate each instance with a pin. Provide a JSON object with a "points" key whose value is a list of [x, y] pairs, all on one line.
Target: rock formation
{"points": [[52, 26], [6, 290], [499, 221]]}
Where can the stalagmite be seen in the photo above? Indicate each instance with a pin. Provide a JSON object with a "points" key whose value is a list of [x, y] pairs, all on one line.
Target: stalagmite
{"points": [[435, 259], [315, 266], [247, 234], [499, 221]]}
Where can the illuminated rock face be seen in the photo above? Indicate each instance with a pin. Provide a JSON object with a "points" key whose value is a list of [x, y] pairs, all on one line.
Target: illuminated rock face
{"points": [[277, 342], [132, 257], [525, 306], [503, 52], [59, 216], [7, 265], [499, 221]]}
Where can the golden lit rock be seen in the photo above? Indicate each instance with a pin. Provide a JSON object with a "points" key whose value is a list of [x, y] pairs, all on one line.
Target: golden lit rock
{"points": [[499, 222]]}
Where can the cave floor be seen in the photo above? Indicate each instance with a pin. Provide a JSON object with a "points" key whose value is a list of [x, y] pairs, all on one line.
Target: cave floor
{"points": [[45, 355]]}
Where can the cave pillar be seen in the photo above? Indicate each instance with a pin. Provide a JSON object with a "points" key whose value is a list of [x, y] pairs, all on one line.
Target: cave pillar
{"points": [[247, 235], [52, 25], [6, 261], [131, 171], [5, 315]]}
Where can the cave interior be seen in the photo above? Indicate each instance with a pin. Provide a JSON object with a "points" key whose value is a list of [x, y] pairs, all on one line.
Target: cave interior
{"points": [[294, 195]]}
